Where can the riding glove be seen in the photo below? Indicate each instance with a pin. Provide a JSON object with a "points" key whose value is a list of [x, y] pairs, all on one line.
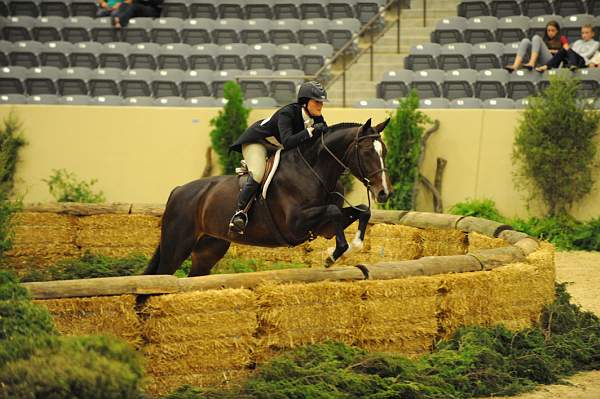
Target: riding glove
{"points": [[319, 128]]}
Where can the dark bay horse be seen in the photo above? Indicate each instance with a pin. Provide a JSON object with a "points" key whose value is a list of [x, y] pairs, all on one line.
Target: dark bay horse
{"points": [[300, 202]]}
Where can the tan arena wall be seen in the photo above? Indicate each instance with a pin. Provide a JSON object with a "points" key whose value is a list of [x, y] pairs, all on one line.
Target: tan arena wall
{"points": [[139, 154]]}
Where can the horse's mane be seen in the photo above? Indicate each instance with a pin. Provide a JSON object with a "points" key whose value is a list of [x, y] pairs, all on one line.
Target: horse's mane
{"points": [[344, 125]]}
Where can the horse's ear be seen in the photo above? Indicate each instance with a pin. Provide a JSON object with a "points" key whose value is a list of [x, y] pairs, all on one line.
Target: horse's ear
{"points": [[379, 128], [365, 128]]}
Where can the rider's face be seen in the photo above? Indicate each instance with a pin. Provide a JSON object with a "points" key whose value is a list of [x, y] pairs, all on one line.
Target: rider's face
{"points": [[314, 107]]}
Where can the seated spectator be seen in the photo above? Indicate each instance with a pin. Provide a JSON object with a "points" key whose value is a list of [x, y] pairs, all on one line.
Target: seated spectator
{"points": [[136, 8], [542, 50], [108, 8], [595, 61], [577, 56]]}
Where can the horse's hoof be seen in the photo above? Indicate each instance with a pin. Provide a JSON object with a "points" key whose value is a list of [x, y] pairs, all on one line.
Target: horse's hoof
{"points": [[329, 261]]}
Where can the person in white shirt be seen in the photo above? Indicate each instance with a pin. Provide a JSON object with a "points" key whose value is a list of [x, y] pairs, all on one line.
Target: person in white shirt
{"points": [[576, 56]]}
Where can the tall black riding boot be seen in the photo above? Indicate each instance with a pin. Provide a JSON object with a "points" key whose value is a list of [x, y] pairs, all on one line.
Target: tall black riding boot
{"points": [[240, 218]]}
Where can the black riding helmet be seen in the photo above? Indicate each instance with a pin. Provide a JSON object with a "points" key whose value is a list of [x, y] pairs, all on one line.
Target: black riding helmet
{"points": [[312, 90]]}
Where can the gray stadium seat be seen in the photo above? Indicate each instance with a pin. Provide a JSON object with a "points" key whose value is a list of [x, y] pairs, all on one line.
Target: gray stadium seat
{"points": [[43, 99], [370, 103], [459, 83], [522, 103], [254, 83], [491, 83], [5, 47], [571, 26], [423, 56], [481, 30], [203, 10], [12, 80], [590, 82], [314, 57], [56, 54], [486, 55], [255, 31], [203, 56], [169, 102], [594, 7], [115, 55], [393, 103], [537, 24], [102, 31], [136, 83], [47, 29], [341, 31], [137, 31], [231, 56], [108, 100], [284, 88], [201, 102], [197, 31], [283, 9], [85, 54], [310, 9], [512, 29], [284, 31], [73, 81], [104, 82], [313, 31], [466, 103], [142, 101], [226, 31], [222, 77], [24, 8], [25, 54], [428, 83], [509, 53], [522, 83], [569, 7], [143, 56], [544, 81], [260, 102], [76, 29], [533, 8], [254, 9], [84, 8], [449, 30], [230, 8], [341, 9], [454, 56], [472, 8], [434, 103], [259, 56], [75, 100], [196, 84], [166, 82], [55, 8], [175, 9], [166, 30], [17, 29], [499, 103], [3, 10], [505, 8], [41, 80], [395, 84], [13, 99], [286, 56], [174, 56], [368, 9]]}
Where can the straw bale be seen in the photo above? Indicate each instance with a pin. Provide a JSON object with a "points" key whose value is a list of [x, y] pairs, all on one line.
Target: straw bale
{"points": [[543, 260], [199, 302], [479, 241], [441, 242], [290, 255], [96, 315], [122, 252], [161, 385], [80, 209], [118, 231], [199, 355], [35, 228]]}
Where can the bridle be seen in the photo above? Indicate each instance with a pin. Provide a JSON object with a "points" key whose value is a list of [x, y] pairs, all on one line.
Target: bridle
{"points": [[365, 179]]}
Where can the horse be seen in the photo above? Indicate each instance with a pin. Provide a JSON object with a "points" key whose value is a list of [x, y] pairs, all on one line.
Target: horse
{"points": [[304, 201]]}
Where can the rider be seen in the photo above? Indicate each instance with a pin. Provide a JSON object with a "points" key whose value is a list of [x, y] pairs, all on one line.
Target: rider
{"points": [[290, 125]]}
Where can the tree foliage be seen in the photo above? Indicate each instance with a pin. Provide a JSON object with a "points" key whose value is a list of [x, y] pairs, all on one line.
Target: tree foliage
{"points": [[554, 147]]}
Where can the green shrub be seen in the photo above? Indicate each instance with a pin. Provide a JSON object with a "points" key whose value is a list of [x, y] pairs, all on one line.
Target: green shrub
{"points": [[228, 125], [66, 187], [484, 208], [554, 147], [403, 141]]}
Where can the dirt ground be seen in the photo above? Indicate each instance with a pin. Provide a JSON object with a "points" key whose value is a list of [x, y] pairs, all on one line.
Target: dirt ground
{"points": [[582, 269]]}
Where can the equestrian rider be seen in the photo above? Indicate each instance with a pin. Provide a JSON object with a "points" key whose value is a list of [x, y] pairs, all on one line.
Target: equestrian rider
{"points": [[290, 125]]}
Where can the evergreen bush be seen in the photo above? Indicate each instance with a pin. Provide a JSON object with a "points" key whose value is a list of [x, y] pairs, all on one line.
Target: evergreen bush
{"points": [[228, 125], [554, 147]]}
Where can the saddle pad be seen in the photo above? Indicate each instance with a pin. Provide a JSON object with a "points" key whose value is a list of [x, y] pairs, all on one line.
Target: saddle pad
{"points": [[270, 172]]}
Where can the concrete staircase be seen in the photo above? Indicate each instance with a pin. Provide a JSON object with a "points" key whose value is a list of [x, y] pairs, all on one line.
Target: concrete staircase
{"points": [[358, 82]]}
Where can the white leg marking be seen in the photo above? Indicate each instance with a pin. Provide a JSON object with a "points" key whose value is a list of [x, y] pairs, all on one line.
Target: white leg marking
{"points": [[379, 150]]}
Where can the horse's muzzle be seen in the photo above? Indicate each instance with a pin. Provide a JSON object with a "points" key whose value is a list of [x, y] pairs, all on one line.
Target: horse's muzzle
{"points": [[382, 196]]}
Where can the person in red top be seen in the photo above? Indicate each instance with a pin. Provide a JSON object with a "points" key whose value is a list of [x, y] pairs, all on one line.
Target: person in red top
{"points": [[542, 49]]}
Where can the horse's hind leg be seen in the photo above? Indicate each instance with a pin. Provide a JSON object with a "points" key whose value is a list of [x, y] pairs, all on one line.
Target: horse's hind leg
{"points": [[176, 243], [206, 253]]}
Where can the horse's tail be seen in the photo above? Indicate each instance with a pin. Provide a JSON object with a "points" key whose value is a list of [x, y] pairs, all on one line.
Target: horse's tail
{"points": [[152, 267]]}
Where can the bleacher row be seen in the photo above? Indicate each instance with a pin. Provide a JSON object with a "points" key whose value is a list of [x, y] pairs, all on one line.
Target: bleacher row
{"points": [[363, 10], [530, 8]]}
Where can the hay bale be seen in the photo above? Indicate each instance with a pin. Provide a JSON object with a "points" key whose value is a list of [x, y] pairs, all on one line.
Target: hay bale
{"points": [[479, 241], [114, 315], [442, 242], [225, 379], [118, 231]]}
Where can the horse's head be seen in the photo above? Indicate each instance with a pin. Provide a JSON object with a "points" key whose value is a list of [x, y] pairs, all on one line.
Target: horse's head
{"points": [[366, 160]]}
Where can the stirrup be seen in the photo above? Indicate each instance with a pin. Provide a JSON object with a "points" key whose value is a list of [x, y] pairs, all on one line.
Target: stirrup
{"points": [[238, 222]]}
